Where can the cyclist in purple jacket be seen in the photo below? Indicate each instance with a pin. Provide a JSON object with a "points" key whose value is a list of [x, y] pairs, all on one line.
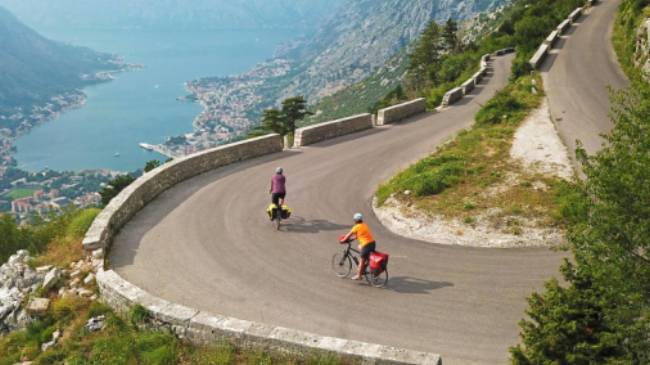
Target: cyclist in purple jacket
{"points": [[278, 187]]}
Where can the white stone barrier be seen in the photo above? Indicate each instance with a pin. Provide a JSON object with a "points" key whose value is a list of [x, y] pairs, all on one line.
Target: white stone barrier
{"points": [[332, 129], [564, 26], [452, 96], [478, 76], [204, 328], [501, 52], [402, 111], [468, 86], [539, 56], [484, 61], [135, 196], [552, 38], [575, 15]]}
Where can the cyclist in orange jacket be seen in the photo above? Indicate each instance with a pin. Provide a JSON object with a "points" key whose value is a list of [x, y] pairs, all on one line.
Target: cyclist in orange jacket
{"points": [[367, 243]]}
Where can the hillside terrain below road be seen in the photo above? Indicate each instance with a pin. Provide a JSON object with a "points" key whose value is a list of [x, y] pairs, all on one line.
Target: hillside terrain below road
{"points": [[577, 76], [207, 243]]}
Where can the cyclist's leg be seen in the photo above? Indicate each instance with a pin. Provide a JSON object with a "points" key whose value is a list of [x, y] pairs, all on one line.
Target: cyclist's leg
{"points": [[281, 197], [363, 260], [275, 199]]}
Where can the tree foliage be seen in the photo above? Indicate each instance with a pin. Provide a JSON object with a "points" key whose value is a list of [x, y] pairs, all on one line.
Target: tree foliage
{"points": [[283, 121], [114, 187], [601, 316]]}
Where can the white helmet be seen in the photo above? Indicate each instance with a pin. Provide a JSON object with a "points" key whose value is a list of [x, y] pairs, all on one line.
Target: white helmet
{"points": [[358, 217], [279, 170]]}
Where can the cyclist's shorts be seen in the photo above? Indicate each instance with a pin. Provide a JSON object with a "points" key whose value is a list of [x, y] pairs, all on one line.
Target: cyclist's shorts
{"points": [[275, 197], [367, 249]]}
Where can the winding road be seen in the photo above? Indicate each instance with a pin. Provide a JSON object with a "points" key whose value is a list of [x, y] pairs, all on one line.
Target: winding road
{"points": [[577, 75], [207, 243]]}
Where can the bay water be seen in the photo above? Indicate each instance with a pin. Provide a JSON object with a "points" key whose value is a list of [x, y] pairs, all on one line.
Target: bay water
{"points": [[140, 105]]}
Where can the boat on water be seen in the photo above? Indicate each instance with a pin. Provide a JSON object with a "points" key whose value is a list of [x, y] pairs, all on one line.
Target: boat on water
{"points": [[116, 154]]}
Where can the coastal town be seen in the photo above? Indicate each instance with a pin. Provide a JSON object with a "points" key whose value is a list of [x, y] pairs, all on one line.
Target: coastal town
{"points": [[230, 106], [39, 194]]}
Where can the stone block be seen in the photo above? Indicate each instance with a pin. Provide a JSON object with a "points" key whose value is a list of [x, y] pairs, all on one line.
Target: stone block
{"points": [[552, 38], [539, 56], [563, 27], [452, 96], [38, 306], [51, 278], [401, 111], [332, 129], [468, 86]]}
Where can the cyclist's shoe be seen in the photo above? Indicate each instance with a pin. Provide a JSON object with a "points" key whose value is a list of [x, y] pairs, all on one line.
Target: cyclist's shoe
{"points": [[357, 277]]}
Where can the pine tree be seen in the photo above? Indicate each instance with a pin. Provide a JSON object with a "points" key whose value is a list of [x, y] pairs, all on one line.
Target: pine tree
{"points": [[425, 57], [450, 35]]}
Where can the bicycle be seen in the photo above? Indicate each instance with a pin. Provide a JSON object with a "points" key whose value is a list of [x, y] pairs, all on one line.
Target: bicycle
{"points": [[342, 266]]}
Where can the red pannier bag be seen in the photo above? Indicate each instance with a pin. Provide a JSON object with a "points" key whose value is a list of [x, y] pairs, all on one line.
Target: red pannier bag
{"points": [[378, 262]]}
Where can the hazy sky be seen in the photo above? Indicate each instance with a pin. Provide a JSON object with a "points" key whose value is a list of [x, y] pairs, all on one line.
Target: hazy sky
{"points": [[172, 14]]}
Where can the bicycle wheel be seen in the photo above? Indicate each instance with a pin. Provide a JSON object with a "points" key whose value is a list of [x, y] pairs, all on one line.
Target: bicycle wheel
{"points": [[378, 281], [341, 265]]}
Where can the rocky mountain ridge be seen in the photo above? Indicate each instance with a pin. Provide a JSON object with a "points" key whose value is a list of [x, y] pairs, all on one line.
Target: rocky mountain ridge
{"points": [[353, 43]]}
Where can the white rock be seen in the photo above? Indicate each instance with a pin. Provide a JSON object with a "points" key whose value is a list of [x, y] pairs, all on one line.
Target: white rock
{"points": [[75, 282], [89, 279], [83, 292], [38, 306], [75, 274], [51, 278], [98, 253], [44, 269]]}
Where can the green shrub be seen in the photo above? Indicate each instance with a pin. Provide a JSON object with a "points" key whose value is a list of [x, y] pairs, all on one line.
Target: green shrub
{"points": [[139, 315], [80, 222], [223, 354], [156, 348]]}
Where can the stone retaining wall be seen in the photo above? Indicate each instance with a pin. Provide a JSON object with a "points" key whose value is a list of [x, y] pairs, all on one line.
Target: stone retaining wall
{"points": [[205, 328], [336, 128], [402, 111], [134, 197], [564, 26]]}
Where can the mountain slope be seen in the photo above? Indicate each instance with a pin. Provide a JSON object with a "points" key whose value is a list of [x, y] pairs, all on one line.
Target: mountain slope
{"points": [[352, 44], [33, 69]]}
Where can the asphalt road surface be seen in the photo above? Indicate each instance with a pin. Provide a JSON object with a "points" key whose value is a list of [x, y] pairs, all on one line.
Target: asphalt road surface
{"points": [[208, 244], [577, 76]]}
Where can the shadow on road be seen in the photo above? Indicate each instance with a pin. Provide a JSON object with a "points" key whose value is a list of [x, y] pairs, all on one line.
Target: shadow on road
{"points": [[302, 225], [407, 284]]}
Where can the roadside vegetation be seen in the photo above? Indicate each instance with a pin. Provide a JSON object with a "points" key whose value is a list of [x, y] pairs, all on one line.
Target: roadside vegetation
{"points": [[125, 339], [473, 177], [599, 312]]}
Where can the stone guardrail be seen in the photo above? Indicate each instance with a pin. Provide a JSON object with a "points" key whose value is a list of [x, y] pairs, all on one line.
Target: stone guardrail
{"points": [[452, 96], [564, 26], [401, 111], [539, 56], [468, 86], [135, 196], [552, 38], [541, 53], [204, 328], [504, 51], [575, 15], [336, 128]]}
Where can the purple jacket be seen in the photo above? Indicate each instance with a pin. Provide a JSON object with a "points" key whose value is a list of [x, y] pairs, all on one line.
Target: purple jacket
{"points": [[278, 184]]}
